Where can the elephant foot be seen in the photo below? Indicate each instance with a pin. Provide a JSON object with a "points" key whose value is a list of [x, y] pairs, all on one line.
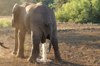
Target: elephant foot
{"points": [[14, 53], [58, 59], [20, 56], [31, 60]]}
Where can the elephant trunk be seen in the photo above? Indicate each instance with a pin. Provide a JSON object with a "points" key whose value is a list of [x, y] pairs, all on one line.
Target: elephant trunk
{"points": [[49, 24]]}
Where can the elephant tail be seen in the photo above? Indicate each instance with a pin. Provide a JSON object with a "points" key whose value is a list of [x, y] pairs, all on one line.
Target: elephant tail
{"points": [[50, 37]]}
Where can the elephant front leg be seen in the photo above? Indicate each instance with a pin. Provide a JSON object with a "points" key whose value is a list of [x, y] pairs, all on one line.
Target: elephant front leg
{"points": [[16, 41], [56, 49], [21, 44]]}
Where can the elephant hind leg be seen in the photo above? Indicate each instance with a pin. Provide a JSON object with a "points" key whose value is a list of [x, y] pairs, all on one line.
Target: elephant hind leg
{"points": [[56, 49], [35, 50], [36, 38]]}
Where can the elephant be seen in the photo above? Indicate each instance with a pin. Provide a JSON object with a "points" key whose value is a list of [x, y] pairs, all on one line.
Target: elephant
{"points": [[39, 21], [3, 45]]}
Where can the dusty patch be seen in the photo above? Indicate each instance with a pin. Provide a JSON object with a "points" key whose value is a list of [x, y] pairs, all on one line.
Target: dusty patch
{"points": [[79, 45]]}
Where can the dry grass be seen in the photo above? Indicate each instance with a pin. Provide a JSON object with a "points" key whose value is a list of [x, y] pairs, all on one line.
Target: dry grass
{"points": [[79, 45], [5, 21], [8, 18]]}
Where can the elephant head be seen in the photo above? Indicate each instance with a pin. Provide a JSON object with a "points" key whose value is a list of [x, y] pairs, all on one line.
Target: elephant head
{"points": [[15, 16], [46, 20]]}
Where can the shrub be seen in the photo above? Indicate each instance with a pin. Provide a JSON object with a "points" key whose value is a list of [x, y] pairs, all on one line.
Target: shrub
{"points": [[67, 11], [59, 3], [79, 11], [25, 47], [5, 24], [52, 5]]}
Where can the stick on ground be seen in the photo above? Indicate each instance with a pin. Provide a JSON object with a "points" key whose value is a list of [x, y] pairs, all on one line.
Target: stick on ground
{"points": [[3, 46]]}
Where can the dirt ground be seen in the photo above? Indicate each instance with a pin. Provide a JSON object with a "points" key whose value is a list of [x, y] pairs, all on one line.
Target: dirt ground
{"points": [[79, 45]]}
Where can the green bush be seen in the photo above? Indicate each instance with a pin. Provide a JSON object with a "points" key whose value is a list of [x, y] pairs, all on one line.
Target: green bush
{"points": [[25, 47], [5, 24], [96, 10], [59, 3], [67, 12], [52, 5], [79, 11]]}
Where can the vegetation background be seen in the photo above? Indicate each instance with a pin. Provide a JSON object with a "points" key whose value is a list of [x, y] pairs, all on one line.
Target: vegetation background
{"points": [[78, 11], [82, 41]]}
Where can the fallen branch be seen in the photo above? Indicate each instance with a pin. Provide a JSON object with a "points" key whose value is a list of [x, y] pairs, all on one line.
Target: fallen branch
{"points": [[3, 46]]}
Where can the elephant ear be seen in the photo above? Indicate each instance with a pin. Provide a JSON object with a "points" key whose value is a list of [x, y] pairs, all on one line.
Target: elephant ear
{"points": [[16, 13], [38, 10], [16, 6]]}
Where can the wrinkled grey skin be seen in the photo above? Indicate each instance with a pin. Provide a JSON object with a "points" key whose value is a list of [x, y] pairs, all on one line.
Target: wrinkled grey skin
{"points": [[39, 21]]}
